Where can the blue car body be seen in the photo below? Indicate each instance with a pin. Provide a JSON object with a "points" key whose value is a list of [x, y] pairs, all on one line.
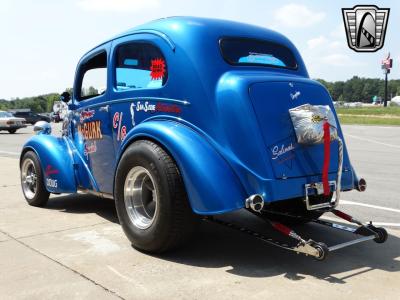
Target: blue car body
{"points": [[227, 126]]}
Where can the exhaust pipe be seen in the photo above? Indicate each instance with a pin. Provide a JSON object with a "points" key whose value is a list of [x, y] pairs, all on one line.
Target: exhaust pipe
{"points": [[361, 185], [255, 202]]}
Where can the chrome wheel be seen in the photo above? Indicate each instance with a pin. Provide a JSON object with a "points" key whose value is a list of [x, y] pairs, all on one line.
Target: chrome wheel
{"points": [[140, 197], [29, 179]]}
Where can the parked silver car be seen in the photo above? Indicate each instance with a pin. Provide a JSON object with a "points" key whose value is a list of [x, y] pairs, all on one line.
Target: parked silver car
{"points": [[10, 123]]}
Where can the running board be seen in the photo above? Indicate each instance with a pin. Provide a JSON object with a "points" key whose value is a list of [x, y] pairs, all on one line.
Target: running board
{"points": [[310, 247]]}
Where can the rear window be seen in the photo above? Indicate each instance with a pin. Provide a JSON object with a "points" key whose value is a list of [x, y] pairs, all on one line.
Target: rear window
{"points": [[242, 51]]}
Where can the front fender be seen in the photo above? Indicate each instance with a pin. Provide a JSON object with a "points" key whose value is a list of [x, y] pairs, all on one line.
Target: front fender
{"points": [[211, 184], [56, 162]]}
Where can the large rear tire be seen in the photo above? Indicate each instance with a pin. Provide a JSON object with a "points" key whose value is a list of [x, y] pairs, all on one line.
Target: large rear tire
{"points": [[151, 200], [32, 181]]}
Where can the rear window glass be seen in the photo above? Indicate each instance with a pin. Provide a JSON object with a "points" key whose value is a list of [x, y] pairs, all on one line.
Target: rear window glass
{"points": [[241, 51]]}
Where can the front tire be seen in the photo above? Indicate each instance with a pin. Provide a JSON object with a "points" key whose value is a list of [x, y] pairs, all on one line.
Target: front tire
{"points": [[151, 200], [12, 131], [382, 235], [322, 249], [32, 181]]}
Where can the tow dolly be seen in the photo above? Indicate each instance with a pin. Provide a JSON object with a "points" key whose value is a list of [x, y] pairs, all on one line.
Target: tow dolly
{"points": [[318, 250]]}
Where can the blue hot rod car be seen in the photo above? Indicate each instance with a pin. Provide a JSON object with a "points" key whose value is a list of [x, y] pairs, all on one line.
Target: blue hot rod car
{"points": [[183, 117]]}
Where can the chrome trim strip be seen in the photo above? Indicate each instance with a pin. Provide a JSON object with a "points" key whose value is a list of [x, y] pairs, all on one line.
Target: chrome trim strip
{"points": [[131, 99]]}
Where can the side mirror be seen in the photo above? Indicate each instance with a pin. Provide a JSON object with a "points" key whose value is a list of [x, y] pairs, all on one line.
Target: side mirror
{"points": [[42, 127], [65, 97]]}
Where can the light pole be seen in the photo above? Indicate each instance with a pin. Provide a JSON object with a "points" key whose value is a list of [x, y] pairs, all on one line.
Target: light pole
{"points": [[386, 66]]}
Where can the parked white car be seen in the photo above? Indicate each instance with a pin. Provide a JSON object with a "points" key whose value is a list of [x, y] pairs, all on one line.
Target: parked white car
{"points": [[395, 101], [10, 123]]}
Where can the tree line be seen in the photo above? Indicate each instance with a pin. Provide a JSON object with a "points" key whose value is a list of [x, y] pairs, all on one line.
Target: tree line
{"points": [[356, 89], [38, 104]]}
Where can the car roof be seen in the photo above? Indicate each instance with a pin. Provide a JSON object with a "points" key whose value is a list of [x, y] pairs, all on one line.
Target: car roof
{"points": [[200, 35], [180, 29]]}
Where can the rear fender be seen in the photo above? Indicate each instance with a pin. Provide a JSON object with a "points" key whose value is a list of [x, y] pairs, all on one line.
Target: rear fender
{"points": [[56, 162], [211, 184]]}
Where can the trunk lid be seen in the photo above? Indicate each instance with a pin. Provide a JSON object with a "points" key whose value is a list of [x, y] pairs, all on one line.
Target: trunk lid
{"points": [[271, 102]]}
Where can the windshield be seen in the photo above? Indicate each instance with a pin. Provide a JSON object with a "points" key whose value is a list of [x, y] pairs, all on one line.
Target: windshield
{"points": [[4, 114], [243, 51]]}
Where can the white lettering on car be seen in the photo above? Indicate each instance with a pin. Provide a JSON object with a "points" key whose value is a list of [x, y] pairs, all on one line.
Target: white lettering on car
{"points": [[51, 183], [278, 151], [146, 106]]}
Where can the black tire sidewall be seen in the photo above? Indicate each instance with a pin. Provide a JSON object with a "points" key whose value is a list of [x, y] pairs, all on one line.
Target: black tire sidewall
{"points": [[42, 195], [143, 154]]}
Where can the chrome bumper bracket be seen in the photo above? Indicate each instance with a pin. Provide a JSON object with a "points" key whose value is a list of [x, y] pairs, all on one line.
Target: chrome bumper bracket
{"points": [[318, 189]]}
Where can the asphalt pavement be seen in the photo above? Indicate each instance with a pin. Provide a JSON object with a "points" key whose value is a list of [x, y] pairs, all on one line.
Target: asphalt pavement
{"points": [[75, 249]]}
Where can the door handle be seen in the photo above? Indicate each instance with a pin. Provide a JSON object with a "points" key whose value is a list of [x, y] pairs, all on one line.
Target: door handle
{"points": [[104, 108]]}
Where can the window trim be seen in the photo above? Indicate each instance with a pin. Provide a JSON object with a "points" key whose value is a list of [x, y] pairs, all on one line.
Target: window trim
{"points": [[78, 89], [114, 65], [221, 39]]}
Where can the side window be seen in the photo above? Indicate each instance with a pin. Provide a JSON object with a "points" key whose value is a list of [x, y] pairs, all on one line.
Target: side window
{"points": [[94, 76], [140, 66]]}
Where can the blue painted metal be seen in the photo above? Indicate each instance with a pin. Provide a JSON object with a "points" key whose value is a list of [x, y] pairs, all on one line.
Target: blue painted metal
{"points": [[199, 163], [221, 123], [56, 161]]}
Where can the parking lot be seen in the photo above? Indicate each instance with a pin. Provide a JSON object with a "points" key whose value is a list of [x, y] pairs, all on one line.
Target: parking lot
{"points": [[75, 249]]}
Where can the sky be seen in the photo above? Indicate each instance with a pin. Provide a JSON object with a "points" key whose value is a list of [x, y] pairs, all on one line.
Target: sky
{"points": [[42, 40]]}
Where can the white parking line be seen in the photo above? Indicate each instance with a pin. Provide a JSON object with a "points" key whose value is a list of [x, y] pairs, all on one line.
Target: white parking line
{"points": [[386, 224], [345, 202], [9, 152], [372, 141]]}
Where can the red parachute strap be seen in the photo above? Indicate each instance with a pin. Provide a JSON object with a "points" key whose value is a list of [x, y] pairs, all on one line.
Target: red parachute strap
{"points": [[327, 154]]}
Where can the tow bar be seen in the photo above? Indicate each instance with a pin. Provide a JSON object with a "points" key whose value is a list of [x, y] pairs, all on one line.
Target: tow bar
{"points": [[310, 247]]}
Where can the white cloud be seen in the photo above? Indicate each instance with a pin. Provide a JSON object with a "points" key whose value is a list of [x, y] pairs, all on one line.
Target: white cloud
{"points": [[330, 54], [340, 59], [118, 5], [325, 44], [337, 45], [317, 42], [338, 32], [297, 15]]}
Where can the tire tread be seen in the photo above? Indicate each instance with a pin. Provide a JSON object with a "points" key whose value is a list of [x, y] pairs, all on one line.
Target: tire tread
{"points": [[178, 215]]}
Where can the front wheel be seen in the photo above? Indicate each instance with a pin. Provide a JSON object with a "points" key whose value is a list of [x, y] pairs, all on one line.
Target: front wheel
{"points": [[382, 235], [322, 249], [12, 131], [32, 181], [151, 200]]}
